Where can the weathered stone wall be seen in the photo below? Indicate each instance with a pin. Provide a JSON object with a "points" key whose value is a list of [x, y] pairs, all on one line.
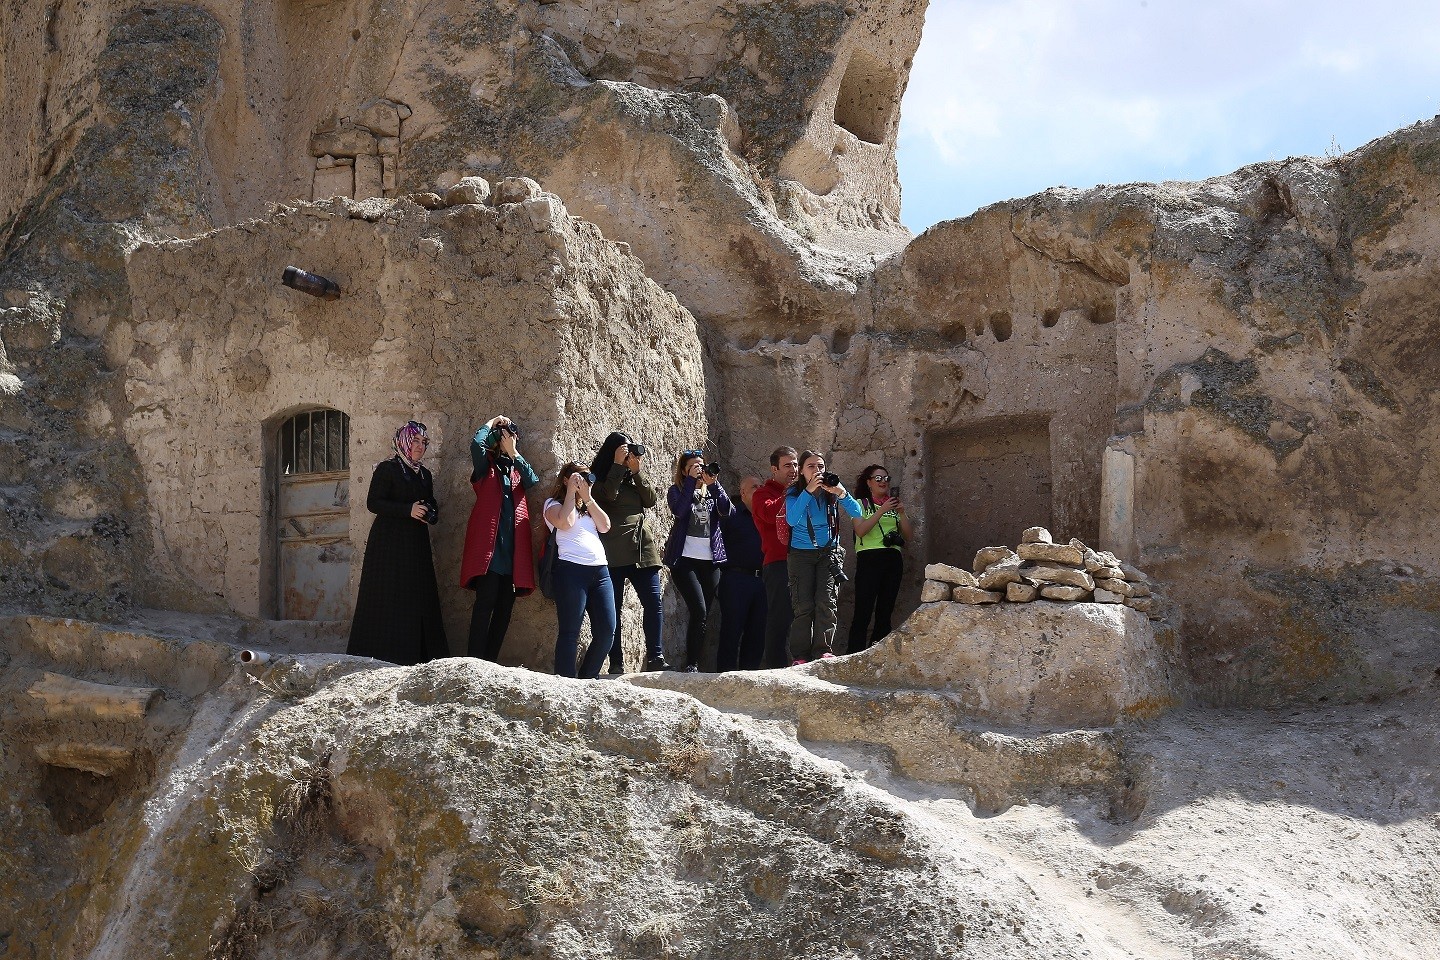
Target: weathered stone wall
{"points": [[450, 317], [753, 138], [1263, 339]]}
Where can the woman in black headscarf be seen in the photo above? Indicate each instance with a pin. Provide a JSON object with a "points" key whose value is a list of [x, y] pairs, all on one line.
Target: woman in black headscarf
{"points": [[397, 609]]}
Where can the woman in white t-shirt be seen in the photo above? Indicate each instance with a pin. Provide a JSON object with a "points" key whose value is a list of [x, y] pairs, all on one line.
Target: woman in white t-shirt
{"points": [[582, 580]]}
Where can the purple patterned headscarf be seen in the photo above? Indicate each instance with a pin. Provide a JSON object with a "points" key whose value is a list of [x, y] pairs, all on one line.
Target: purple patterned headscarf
{"points": [[406, 435]]}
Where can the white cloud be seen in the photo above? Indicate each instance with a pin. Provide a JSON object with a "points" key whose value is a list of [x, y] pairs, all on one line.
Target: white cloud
{"points": [[1009, 96]]}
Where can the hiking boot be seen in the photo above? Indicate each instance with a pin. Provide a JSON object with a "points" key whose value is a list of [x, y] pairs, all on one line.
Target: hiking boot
{"points": [[657, 663]]}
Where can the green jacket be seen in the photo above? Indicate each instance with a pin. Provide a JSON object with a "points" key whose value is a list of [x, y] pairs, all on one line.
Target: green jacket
{"points": [[625, 496]]}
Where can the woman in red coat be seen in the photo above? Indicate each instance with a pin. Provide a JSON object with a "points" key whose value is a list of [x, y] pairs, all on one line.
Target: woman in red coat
{"points": [[498, 563]]}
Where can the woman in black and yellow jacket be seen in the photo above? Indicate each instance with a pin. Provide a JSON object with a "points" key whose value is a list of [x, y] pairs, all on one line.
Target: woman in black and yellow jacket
{"points": [[881, 532]]}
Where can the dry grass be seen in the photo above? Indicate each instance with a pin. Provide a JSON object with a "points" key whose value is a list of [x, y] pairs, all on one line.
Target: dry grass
{"points": [[302, 813]]}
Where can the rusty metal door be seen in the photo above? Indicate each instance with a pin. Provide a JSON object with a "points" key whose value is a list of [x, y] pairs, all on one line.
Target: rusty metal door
{"points": [[313, 513]]}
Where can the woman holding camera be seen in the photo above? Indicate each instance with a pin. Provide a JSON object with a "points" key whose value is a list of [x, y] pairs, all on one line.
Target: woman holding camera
{"points": [[816, 559], [582, 580], [631, 548], [497, 565], [397, 608], [880, 533], [698, 501]]}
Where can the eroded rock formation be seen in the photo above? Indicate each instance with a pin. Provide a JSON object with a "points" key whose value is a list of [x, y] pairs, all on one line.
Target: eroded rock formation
{"points": [[681, 220]]}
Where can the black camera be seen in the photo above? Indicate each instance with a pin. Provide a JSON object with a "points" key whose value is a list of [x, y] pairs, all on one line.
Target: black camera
{"points": [[638, 450], [432, 511], [511, 428], [589, 477], [713, 469], [893, 538], [830, 479]]}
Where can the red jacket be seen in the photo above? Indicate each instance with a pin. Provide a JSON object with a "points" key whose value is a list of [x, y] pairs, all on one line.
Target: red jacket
{"points": [[485, 522], [768, 509]]}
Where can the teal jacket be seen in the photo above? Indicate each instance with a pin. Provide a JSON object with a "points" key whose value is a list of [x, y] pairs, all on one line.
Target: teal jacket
{"points": [[806, 514]]}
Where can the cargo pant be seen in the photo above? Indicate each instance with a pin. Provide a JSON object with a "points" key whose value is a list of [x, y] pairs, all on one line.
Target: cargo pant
{"points": [[815, 596]]}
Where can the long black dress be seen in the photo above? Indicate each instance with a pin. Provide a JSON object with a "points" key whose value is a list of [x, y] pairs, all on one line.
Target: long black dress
{"points": [[397, 612]]}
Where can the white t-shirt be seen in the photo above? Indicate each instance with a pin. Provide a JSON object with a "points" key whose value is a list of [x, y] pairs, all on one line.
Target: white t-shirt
{"points": [[581, 543]]}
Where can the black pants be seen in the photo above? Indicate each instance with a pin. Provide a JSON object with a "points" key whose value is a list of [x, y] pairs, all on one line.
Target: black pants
{"points": [[696, 580], [778, 614], [490, 618], [742, 619], [877, 584], [646, 581]]}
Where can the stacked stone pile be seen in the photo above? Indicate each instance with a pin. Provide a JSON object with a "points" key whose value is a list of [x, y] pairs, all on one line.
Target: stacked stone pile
{"points": [[1040, 569]]}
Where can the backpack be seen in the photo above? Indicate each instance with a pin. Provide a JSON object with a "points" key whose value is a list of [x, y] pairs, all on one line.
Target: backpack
{"points": [[546, 579]]}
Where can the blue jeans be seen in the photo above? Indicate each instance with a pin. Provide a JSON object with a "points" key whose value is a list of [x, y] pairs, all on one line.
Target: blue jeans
{"points": [[646, 581], [580, 590]]}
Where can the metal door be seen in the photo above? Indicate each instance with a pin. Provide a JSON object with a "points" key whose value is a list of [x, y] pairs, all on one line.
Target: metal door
{"points": [[313, 513]]}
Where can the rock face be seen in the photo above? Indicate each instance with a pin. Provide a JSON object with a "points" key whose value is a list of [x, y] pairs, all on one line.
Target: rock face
{"points": [[325, 806], [1226, 383], [1081, 664], [467, 809]]}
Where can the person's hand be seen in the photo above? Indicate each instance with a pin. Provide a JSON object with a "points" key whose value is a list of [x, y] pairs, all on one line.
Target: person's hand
{"points": [[891, 504], [418, 511], [813, 484], [507, 444], [696, 469], [582, 486], [622, 454], [573, 483], [632, 463]]}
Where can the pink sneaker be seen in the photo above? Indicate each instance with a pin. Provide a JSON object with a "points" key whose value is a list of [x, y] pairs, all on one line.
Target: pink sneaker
{"points": [[798, 663], [827, 655]]}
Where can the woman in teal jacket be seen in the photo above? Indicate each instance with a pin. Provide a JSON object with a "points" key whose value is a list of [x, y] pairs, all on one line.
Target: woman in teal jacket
{"points": [[812, 508]]}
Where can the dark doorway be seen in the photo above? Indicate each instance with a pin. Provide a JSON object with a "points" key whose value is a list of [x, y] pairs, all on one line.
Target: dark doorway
{"points": [[987, 483]]}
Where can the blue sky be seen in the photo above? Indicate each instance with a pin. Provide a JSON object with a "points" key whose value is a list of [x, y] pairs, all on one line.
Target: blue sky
{"points": [[1008, 97]]}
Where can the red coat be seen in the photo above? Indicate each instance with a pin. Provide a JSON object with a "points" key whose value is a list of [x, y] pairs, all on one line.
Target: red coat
{"points": [[768, 509], [485, 522]]}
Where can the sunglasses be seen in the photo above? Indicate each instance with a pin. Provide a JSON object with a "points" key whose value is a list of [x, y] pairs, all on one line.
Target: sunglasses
{"points": [[879, 478], [691, 453]]}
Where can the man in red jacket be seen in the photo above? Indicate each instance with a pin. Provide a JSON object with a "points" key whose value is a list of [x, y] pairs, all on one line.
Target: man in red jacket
{"points": [[768, 509]]}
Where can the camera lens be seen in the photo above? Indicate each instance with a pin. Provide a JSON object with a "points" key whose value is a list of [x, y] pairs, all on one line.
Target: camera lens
{"points": [[713, 469], [589, 477], [638, 449]]}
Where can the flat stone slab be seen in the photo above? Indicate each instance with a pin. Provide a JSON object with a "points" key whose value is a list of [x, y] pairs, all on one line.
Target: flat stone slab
{"points": [[1072, 664]]}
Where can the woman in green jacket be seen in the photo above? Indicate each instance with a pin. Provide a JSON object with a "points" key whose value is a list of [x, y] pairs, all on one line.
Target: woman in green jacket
{"points": [[632, 550]]}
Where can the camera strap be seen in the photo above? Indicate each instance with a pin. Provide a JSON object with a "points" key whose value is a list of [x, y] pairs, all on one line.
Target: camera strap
{"points": [[832, 520]]}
